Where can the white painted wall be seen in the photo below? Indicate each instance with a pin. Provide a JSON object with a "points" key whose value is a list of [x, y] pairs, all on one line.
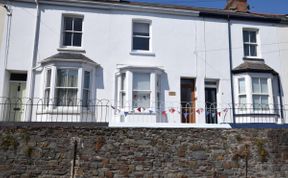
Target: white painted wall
{"points": [[183, 46], [2, 23]]}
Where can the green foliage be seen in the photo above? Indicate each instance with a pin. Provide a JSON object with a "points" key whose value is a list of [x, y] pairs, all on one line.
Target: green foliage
{"points": [[29, 151], [263, 154], [8, 141]]}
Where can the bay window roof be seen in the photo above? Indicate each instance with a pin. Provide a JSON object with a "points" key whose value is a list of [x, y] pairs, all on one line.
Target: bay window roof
{"points": [[256, 67], [69, 57]]}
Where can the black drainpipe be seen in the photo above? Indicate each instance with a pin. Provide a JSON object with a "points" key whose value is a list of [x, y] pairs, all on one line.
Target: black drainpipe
{"points": [[231, 67], [280, 96]]}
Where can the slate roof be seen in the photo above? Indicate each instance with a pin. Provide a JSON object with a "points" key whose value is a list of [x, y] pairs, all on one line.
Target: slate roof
{"points": [[69, 57], [257, 67], [208, 12]]}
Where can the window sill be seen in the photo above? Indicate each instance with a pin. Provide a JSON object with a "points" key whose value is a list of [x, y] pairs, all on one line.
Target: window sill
{"points": [[142, 53], [71, 49]]}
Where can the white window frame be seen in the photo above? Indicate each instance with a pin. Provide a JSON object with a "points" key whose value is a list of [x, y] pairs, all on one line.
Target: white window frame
{"points": [[249, 92], [142, 91], [63, 31], [154, 74], [80, 87], [137, 51], [47, 100], [257, 44], [242, 106], [66, 87]]}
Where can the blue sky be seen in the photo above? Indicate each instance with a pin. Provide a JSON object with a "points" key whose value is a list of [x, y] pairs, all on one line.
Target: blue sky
{"points": [[266, 6]]}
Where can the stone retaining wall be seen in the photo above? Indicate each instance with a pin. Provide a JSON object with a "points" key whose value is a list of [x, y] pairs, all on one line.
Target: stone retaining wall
{"points": [[122, 152]]}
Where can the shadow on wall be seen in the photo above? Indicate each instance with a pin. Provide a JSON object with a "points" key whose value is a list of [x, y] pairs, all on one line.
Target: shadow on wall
{"points": [[99, 78], [164, 86]]}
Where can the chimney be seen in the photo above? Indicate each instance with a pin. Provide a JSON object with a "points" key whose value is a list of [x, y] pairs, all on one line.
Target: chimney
{"points": [[237, 5]]}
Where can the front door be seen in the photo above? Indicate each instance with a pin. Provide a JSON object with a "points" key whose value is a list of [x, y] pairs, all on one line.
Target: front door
{"points": [[211, 105], [188, 100], [17, 93]]}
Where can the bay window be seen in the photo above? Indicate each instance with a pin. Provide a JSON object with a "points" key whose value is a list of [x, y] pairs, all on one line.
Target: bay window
{"points": [[255, 93], [139, 88], [63, 87]]}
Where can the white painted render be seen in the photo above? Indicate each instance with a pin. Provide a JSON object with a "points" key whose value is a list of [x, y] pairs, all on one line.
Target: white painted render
{"points": [[183, 46], [2, 22]]}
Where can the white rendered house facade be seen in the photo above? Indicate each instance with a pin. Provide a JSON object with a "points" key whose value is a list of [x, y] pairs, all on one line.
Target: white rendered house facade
{"points": [[149, 64]]}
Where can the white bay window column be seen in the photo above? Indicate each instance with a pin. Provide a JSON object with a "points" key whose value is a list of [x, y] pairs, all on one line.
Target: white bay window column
{"points": [[129, 90], [153, 88], [53, 85]]}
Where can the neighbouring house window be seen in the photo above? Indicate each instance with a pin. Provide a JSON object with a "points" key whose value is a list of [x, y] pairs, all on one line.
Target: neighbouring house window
{"points": [[141, 90], [250, 43], [141, 36], [123, 90], [72, 31], [67, 87], [86, 89], [242, 93], [47, 87], [254, 93], [260, 93]]}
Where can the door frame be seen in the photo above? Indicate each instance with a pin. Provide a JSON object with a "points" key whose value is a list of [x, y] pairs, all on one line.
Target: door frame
{"points": [[192, 110], [212, 86]]}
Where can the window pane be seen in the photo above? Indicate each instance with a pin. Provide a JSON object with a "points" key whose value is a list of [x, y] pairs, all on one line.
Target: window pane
{"points": [[264, 102], [48, 78], [253, 36], [71, 97], [253, 50], [246, 50], [264, 85], [141, 99], [141, 29], [141, 43], [67, 40], [85, 100], [77, 38], [242, 99], [86, 79], [141, 81], [77, 24], [68, 23], [256, 85], [245, 36], [72, 77], [242, 85], [61, 97], [62, 78], [256, 102], [123, 81], [47, 97], [123, 99]]}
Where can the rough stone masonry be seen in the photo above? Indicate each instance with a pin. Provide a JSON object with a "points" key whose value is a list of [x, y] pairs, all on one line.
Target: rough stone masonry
{"points": [[76, 151]]}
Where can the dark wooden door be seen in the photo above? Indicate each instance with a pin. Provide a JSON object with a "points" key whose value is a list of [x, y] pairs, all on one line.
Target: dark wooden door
{"points": [[188, 100]]}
